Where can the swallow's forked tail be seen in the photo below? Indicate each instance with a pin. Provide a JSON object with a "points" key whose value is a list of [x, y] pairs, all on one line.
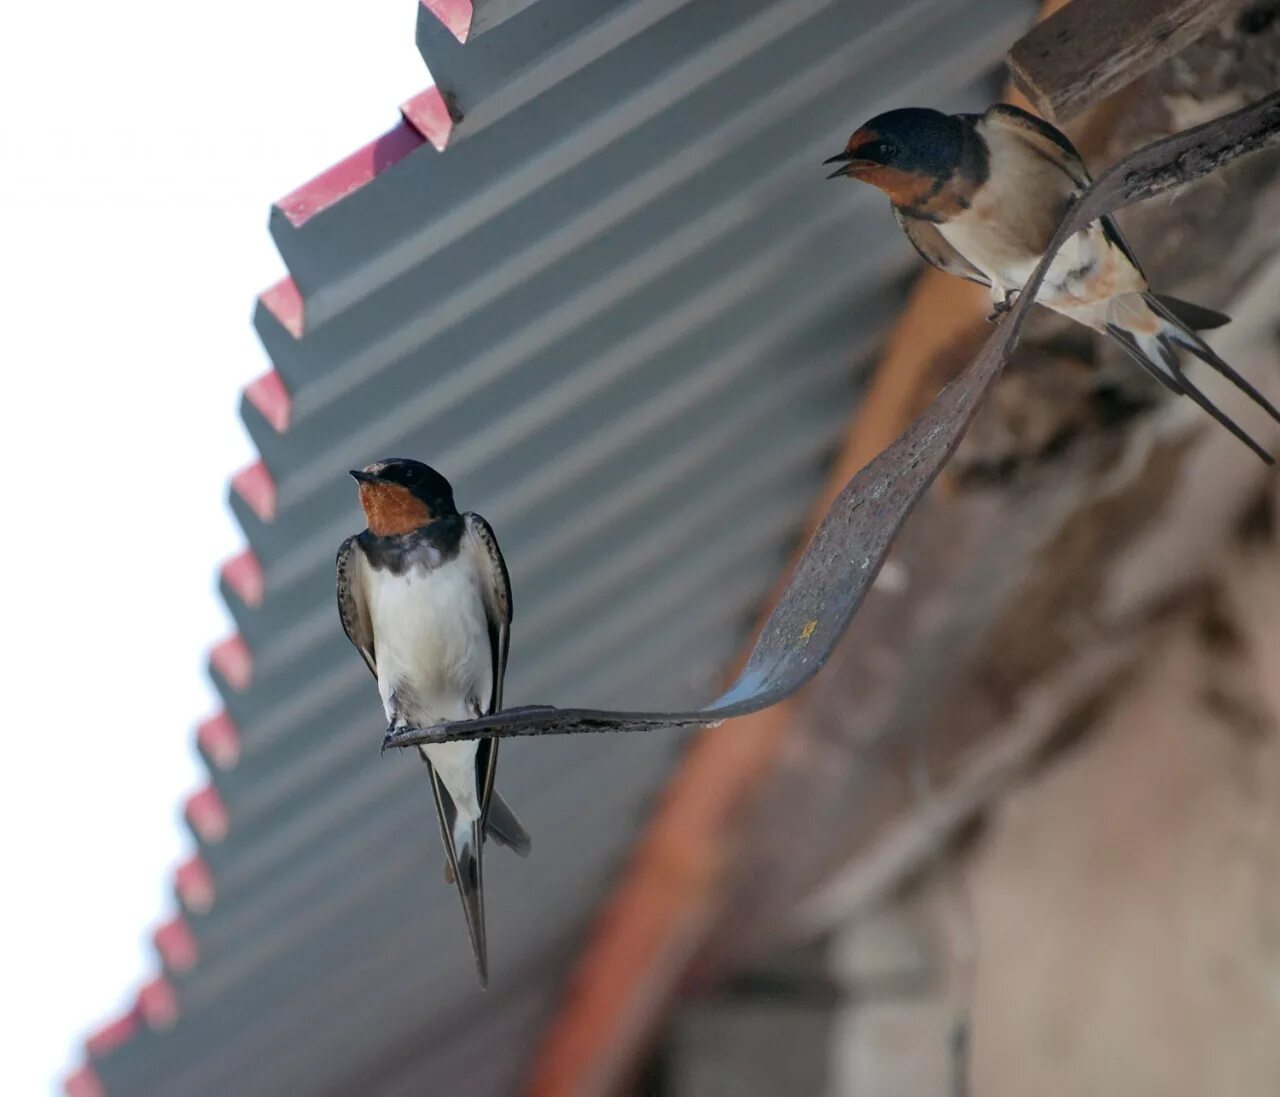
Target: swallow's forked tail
{"points": [[464, 852], [1152, 328], [501, 824], [464, 855]]}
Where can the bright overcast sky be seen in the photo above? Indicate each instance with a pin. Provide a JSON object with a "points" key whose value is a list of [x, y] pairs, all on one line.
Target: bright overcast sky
{"points": [[143, 144]]}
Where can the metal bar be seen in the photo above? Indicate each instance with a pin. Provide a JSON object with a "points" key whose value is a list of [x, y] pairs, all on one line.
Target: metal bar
{"points": [[852, 542]]}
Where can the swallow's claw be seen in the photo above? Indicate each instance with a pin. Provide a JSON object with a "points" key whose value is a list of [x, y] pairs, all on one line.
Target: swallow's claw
{"points": [[999, 308], [387, 736]]}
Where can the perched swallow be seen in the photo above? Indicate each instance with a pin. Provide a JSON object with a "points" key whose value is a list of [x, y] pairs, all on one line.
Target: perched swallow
{"points": [[424, 596], [981, 195]]}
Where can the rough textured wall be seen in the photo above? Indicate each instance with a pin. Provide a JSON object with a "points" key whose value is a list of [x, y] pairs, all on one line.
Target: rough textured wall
{"points": [[1020, 569], [1126, 899], [1053, 732]]}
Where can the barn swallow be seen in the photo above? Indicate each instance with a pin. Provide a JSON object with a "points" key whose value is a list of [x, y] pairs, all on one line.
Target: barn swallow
{"points": [[424, 596], [981, 196]]}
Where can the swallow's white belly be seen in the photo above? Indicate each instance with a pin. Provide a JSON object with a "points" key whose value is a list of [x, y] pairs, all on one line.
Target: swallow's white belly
{"points": [[1087, 272], [431, 642], [995, 246]]}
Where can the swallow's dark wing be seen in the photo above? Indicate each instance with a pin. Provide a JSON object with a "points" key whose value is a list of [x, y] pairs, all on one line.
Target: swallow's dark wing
{"points": [[351, 603], [495, 590], [500, 821], [1112, 232], [933, 248], [1054, 145]]}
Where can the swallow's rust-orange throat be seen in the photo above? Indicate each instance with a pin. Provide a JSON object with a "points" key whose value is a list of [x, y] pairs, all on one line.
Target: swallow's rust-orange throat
{"points": [[391, 509], [935, 198]]}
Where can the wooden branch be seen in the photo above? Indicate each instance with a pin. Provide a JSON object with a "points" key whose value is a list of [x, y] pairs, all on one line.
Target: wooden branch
{"points": [[1093, 48], [849, 547]]}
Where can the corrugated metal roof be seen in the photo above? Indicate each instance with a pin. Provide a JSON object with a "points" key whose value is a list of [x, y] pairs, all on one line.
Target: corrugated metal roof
{"points": [[623, 312]]}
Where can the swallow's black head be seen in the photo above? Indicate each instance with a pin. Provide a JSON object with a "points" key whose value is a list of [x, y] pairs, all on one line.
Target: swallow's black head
{"points": [[900, 145], [399, 494]]}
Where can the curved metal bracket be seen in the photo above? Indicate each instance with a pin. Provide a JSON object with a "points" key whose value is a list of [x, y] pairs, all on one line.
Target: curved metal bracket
{"points": [[849, 547]]}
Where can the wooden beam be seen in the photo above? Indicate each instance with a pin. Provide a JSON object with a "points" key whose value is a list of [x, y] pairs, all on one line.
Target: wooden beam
{"points": [[1090, 49]]}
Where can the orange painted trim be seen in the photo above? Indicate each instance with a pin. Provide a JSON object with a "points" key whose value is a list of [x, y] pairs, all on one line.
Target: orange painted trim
{"points": [[658, 917], [661, 913]]}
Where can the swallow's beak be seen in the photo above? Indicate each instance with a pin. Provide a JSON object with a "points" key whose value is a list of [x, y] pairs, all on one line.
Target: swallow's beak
{"points": [[847, 161], [365, 477]]}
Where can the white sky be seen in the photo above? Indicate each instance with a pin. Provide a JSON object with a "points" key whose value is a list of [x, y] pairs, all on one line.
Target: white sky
{"points": [[143, 144]]}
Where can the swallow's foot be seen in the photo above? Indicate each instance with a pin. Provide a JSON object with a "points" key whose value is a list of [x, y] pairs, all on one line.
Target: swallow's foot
{"points": [[387, 737], [999, 308]]}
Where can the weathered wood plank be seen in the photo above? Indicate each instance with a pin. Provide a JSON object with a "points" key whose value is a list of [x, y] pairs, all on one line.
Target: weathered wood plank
{"points": [[1092, 48]]}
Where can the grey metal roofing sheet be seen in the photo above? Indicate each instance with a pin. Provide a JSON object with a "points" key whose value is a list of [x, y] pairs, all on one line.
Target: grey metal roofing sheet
{"points": [[625, 315]]}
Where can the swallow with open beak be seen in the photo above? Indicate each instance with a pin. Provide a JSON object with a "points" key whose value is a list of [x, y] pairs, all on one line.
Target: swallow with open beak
{"points": [[424, 596], [981, 196]]}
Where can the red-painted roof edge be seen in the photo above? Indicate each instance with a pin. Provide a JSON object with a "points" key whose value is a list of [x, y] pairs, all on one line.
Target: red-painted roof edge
{"points": [[193, 883], [219, 738], [106, 1038], [207, 814], [257, 487], [176, 944], [349, 174], [83, 1082], [243, 574], [284, 301], [268, 394], [456, 15], [428, 112], [233, 660], [158, 1004]]}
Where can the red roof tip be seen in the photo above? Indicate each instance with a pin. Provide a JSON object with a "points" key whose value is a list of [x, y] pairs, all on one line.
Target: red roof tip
{"points": [[349, 175], [158, 1004], [268, 394], [194, 884], [456, 16], [207, 815], [257, 487], [233, 661], [220, 740], [243, 574], [111, 1035], [177, 945], [428, 112], [83, 1083], [284, 302]]}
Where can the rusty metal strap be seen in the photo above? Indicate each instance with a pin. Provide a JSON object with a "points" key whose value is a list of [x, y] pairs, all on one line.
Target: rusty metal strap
{"points": [[849, 547]]}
